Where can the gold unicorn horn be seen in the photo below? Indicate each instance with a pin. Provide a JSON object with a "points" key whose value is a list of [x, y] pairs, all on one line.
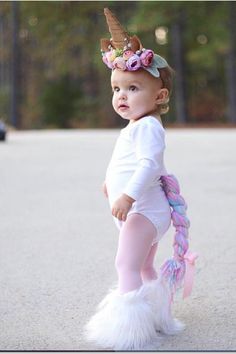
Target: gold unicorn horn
{"points": [[119, 36]]}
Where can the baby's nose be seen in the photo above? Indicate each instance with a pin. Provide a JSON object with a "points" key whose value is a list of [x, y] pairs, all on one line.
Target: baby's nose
{"points": [[122, 95]]}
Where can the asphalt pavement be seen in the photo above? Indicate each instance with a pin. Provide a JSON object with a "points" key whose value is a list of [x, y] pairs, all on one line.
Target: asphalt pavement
{"points": [[58, 240]]}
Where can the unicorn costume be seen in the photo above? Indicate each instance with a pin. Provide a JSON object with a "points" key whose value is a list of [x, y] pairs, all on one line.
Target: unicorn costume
{"points": [[139, 168], [130, 321]]}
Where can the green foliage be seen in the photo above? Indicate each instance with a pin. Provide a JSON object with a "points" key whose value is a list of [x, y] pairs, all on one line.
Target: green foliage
{"points": [[58, 102], [205, 39], [200, 17], [61, 40], [4, 102]]}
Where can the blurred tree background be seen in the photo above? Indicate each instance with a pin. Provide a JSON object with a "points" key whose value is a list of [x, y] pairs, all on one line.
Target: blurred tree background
{"points": [[52, 76]]}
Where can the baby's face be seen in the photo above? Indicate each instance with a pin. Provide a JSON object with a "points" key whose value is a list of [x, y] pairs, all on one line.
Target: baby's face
{"points": [[134, 93]]}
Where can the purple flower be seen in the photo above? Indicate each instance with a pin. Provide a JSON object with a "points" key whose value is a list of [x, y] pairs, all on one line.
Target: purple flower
{"points": [[146, 57], [133, 63]]}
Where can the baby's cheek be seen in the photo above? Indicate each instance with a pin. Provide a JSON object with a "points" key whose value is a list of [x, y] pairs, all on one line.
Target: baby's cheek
{"points": [[115, 107], [113, 101]]}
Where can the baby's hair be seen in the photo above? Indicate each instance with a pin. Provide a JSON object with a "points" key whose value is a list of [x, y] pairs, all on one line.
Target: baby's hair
{"points": [[166, 75]]}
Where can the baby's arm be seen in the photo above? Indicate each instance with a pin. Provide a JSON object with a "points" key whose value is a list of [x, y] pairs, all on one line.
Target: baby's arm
{"points": [[122, 206]]}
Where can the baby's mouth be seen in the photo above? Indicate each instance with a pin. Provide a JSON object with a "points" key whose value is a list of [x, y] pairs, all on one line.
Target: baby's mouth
{"points": [[123, 106]]}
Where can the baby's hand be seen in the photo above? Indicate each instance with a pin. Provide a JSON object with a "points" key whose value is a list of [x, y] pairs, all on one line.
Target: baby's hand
{"points": [[122, 206], [104, 189]]}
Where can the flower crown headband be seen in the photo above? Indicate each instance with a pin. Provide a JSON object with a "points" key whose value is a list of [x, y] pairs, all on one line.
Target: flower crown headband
{"points": [[127, 53]]}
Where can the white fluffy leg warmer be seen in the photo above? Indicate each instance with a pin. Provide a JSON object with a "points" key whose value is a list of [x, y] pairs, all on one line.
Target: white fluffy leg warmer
{"points": [[159, 296], [123, 322]]}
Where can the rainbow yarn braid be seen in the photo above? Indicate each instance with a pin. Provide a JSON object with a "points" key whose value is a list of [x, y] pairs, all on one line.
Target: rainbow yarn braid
{"points": [[173, 270]]}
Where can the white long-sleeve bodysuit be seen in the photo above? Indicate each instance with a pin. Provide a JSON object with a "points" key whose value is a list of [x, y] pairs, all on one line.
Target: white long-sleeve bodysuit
{"points": [[135, 169]]}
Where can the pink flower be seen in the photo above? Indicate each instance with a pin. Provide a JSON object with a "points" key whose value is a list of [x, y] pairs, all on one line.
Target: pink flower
{"points": [[106, 58], [133, 63], [146, 57], [119, 63], [127, 54]]}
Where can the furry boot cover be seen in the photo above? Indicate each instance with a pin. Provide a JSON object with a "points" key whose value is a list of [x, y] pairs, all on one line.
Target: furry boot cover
{"points": [[160, 298], [123, 322]]}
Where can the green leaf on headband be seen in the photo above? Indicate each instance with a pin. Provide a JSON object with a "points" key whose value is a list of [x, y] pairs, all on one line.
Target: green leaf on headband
{"points": [[118, 52]]}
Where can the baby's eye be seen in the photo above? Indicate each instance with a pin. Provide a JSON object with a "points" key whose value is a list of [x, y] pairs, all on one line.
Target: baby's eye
{"points": [[115, 89], [133, 88]]}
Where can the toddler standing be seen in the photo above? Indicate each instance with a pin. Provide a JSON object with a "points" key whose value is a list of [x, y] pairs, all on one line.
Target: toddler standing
{"points": [[143, 199]]}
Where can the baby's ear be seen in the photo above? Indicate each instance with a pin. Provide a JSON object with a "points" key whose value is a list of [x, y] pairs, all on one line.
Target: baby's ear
{"points": [[163, 96]]}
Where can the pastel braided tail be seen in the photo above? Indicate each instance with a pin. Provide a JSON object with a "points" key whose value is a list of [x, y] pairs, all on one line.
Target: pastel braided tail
{"points": [[173, 270]]}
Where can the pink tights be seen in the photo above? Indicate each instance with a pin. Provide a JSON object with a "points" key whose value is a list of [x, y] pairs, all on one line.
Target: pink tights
{"points": [[135, 254]]}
